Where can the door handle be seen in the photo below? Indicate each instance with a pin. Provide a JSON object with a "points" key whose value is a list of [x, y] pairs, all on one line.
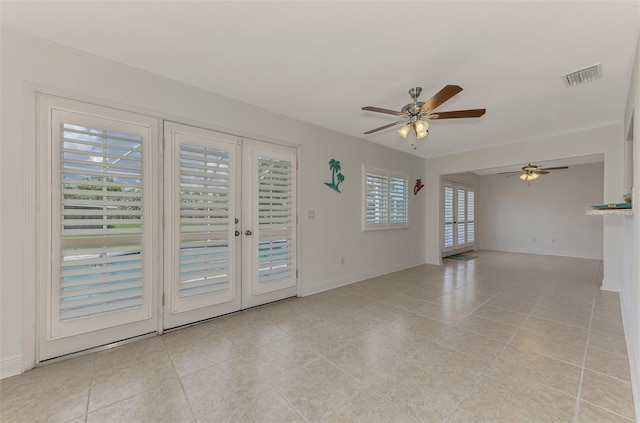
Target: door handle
{"points": [[237, 233], [247, 232]]}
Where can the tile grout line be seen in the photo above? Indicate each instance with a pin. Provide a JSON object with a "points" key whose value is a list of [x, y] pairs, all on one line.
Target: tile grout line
{"points": [[584, 361], [609, 411], [173, 364], [93, 368], [506, 345], [270, 382]]}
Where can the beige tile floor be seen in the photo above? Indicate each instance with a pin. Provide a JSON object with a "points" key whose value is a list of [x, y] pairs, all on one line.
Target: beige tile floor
{"points": [[506, 337]]}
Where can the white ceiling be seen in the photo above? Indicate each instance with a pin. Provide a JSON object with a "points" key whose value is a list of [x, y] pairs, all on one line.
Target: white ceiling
{"points": [[320, 62]]}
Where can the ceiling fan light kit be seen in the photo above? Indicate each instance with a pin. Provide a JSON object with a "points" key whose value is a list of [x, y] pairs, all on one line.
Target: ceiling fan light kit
{"points": [[417, 112], [529, 176], [531, 172], [404, 131]]}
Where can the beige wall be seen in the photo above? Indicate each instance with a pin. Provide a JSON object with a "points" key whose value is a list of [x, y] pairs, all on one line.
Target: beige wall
{"points": [[630, 290], [546, 216], [29, 62]]}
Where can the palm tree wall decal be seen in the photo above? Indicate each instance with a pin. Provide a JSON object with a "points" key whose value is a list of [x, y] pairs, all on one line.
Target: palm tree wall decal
{"points": [[334, 167]]}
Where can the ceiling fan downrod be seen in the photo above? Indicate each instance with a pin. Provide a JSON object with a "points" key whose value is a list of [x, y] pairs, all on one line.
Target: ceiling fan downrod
{"points": [[415, 93], [412, 108]]}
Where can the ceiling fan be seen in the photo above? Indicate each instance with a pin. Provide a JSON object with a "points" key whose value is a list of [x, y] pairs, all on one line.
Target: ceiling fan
{"points": [[415, 114], [532, 172]]}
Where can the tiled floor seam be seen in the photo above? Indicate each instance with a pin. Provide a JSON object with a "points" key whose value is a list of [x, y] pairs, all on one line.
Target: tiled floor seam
{"points": [[608, 410], [584, 361], [86, 410], [470, 391], [287, 398], [364, 386], [186, 397]]}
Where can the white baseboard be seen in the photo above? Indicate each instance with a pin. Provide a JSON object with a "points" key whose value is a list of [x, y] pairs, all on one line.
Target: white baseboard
{"points": [[606, 286], [347, 280], [572, 254], [630, 325], [634, 367], [11, 366]]}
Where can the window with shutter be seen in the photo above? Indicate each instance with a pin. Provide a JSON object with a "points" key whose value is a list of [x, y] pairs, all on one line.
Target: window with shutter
{"points": [[448, 217], [204, 221], [100, 218], [386, 199], [458, 212], [460, 218], [398, 201], [376, 197], [470, 217], [101, 221], [276, 222]]}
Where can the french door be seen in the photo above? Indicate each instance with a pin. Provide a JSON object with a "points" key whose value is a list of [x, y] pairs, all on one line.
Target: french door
{"points": [[201, 204], [97, 185], [270, 219], [230, 219], [458, 218], [134, 238]]}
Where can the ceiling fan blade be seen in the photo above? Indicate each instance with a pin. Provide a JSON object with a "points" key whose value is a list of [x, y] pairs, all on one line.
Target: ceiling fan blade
{"points": [[385, 127], [540, 171], [387, 111], [555, 168], [441, 96], [509, 173], [458, 114]]}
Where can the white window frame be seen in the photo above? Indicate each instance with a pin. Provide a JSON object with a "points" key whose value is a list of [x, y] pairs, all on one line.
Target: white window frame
{"points": [[387, 176]]}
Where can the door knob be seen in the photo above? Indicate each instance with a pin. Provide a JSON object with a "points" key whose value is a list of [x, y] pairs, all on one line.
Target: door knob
{"points": [[237, 233], [247, 232]]}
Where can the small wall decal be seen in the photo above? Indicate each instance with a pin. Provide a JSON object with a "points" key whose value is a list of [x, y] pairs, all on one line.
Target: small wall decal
{"points": [[418, 186], [334, 167]]}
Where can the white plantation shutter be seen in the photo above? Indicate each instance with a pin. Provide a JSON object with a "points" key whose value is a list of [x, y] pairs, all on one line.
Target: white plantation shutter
{"points": [[398, 201], [376, 197], [470, 217], [276, 222], [203, 223], [385, 198], [101, 222], [460, 217], [99, 186], [448, 217]]}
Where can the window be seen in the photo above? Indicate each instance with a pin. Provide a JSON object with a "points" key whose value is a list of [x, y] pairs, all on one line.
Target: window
{"points": [[385, 199]]}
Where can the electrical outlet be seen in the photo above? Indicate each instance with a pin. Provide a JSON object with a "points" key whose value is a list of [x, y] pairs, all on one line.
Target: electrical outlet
{"points": [[553, 240], [341, 260]]}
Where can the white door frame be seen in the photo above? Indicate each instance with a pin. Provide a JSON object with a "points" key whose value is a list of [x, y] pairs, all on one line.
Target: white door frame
{"points": [[456, 248]]}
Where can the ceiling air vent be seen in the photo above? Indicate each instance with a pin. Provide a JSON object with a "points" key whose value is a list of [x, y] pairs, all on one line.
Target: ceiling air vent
{"points": [[583, 75]]}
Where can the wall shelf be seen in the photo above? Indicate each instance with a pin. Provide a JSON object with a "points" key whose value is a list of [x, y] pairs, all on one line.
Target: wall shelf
{"points": [[606, 212]]}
